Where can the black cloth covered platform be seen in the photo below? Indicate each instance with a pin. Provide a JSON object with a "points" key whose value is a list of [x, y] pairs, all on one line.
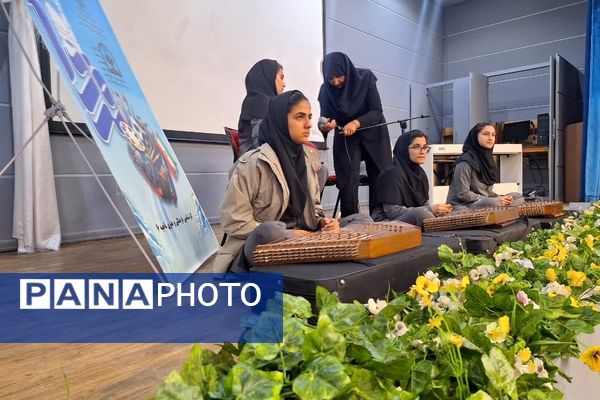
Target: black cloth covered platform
{"points": [[486, 239], [361, 280], [548, 223]]}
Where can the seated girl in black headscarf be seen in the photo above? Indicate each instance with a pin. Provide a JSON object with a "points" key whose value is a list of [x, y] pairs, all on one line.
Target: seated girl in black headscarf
{"points": [[263, 81], [474, 172], [403, 188], [273, 188]]}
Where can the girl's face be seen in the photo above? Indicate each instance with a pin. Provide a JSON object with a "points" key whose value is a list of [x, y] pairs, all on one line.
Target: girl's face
{"points": [[418, 149], [299, 122], [279, 83], [487, 137]]}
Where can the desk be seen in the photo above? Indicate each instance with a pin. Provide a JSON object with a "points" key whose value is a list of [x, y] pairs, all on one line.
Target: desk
{"points": [[511, 168], [531, 149]]}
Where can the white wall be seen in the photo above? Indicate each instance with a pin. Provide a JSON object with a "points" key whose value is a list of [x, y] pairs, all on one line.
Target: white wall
{"points": [[191, 57]]}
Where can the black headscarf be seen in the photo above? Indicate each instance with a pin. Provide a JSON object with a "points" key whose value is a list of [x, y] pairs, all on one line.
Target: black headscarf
{"points": [[346, 102], [479, 158], [260, 87], [274, 131], [404, 183]]}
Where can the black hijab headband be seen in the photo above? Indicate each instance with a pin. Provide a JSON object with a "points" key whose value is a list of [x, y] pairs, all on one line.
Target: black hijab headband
{"points": [[347, 101], [274, 130]]}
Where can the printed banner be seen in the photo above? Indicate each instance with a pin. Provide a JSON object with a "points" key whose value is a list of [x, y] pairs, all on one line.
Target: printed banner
{"points": [[140, 308], [90, 60]]}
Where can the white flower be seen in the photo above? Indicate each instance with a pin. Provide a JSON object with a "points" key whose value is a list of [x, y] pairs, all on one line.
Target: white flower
{"points": [[444, 302], [375, 307], [506, 254], [554, 289], [400, 329], [419, 345], [590, 292], [482, 272], [571, 239], [432, 276], [540, 370], [525, 263]]}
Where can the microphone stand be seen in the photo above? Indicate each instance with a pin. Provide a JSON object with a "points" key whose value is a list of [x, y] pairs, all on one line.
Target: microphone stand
{"points": [[402, 123]]}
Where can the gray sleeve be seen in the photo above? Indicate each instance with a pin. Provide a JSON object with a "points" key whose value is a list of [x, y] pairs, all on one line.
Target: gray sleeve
{"points": [[461, 182], [393, 211]]}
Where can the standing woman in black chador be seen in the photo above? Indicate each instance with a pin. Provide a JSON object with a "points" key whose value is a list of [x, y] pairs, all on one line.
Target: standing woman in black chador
{"points": [[403, 188], [349, 99], [474, 172], [263, 81]]}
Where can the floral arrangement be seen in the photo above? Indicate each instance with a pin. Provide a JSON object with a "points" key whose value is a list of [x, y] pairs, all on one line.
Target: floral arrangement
{"points": [[476, 328]]}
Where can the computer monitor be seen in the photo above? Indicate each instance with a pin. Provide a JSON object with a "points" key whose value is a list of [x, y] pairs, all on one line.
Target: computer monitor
{"points": [[515, 132]]}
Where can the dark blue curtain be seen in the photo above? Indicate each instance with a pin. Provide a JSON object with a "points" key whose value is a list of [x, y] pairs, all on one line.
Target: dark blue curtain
{"points": [[591, 178]]}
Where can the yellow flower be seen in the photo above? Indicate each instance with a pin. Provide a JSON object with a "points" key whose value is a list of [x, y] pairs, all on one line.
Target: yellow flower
{"points": [[456, 340], [530, 367], [524, 355], [504, 324], [575, 302], [591, 358], [561, 257], [595, 266], [490, 290], [501, 279], [464, 282], [589, 240], [576, 278], [426, 286], [497, 331], [434, 322], [425, 301], [551, 274]]}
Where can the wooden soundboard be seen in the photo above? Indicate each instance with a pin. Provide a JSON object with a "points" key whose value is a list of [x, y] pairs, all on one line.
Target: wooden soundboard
{"points": [[473, 218], [552, 209], [358, 242]]}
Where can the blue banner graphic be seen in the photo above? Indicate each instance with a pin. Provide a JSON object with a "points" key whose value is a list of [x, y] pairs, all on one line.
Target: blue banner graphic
{"points": [[90, 60], [140, 308]]}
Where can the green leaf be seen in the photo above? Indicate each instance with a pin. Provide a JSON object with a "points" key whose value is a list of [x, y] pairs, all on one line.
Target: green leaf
{"points": [[537, 394], [529, 325], [296, 306], [324, 340], [398, 368], [500, 373], [199, 370], [445, 253], [345, 316], [251, 384], [325, 299], [480, 395], [174, 388], [421, 375], [478, 302], [254, 353], [365, 385], [324, 379]]}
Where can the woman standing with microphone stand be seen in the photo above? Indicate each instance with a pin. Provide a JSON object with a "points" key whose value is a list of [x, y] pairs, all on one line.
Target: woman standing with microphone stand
{"points": [[349, 99]]}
